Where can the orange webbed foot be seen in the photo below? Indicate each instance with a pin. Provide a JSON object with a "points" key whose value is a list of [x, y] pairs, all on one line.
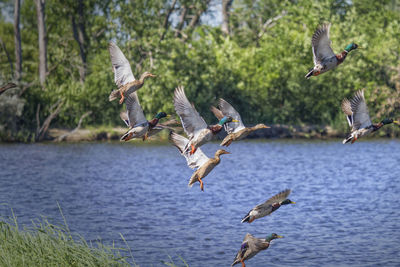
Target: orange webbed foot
{"points": [[201, 185], [243, 265], [122, 97], [193, 150]]}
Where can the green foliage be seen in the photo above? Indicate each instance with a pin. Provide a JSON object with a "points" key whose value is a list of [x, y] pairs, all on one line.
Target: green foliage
{"points": [[259, 68]]}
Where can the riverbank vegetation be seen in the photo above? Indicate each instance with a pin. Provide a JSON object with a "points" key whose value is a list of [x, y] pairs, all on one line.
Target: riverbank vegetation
{"points": [[46, 244], [252, 53]]}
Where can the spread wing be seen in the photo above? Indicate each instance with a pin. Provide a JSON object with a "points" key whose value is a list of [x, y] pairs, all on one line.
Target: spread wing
{"points": [[281, 196], [120, 65], [321, 44], [228, 110], [250, 247], [360, 111], [124, 116], [191, 120], [346, 108], [134, 110], [193, 161], [217, 113]]}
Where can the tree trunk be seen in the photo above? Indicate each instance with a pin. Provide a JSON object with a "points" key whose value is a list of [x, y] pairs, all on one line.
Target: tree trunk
{"points": [[196, 17], [181, 21], [40, 11], [226, 5], [166, 20], [80, 37], [17, 41]]}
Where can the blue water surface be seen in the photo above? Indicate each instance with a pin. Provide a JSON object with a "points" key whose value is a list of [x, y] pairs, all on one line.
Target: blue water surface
{"points": [[347, 211]]}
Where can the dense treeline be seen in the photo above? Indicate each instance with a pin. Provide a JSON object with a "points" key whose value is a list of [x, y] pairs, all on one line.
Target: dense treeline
{"points": [[253, 53]]}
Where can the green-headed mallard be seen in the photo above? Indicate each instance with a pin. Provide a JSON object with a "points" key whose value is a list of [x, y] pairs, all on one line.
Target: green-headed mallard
{"points": [[193, 124], [251, 246], [235, 129], [136, 121], [358, 118], [268, 206], [324, 58], [197, 160], [123, 75], [6, 87]]}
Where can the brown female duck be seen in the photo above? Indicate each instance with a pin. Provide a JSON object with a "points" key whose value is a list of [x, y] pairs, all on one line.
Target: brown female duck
{"points": [[123, 75]]}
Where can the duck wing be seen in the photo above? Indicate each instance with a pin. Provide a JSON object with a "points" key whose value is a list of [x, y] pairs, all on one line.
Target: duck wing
{"points": [[250, 247], [228, 110], [346, 108], [281, 196], [321, 44], [134, 111], [191, 120], [120, 66], [193, 161], [359, 108]]}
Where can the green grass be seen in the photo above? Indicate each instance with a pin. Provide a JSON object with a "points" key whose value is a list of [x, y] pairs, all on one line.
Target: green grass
{"points": [[45, 244]]}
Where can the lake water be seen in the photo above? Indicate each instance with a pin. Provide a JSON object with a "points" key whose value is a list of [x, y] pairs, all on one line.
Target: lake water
{"points": [[347, 211]]}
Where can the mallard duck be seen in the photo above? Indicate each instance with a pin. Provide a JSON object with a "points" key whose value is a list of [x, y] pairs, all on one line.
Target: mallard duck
{"points": [[136, 121], [251, 246], [268, 206], [6, 87], [324, 58], [193, 124], [236, 130], [358, 118], [123, 75], [197, 160]]}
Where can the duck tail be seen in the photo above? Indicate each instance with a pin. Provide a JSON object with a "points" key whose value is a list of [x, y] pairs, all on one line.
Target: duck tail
{"points": [[246, 218], [114, 95], [310, 73], [348, 139], [126, 137]]}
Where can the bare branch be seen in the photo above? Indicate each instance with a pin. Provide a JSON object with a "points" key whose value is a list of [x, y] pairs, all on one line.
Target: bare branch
{"points": [[270, 23], [6, 87], [64, 136], [54, 110]]}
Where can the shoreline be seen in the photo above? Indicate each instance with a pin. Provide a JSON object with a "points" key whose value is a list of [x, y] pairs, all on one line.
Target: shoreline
{"points": [[276, 131]]}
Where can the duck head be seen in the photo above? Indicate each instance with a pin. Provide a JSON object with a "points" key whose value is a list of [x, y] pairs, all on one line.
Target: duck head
{"points": [[272, 237], [146, 75], [261, 126], [227, 119], [287, 201], [389, 121], [220, 152], [350, 47], [161, 115]]}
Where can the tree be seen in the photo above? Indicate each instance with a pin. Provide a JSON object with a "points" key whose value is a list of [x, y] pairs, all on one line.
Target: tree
{"points": [[79, 31], [17, 41], [226, 5], [40, 13]]}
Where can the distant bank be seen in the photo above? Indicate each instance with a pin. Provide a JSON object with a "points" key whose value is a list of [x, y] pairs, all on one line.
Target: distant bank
{"points": [[276, 131]]}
